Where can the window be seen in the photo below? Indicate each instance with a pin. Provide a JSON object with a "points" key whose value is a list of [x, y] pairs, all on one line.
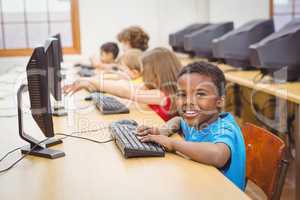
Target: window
{"points": [[25, 24], [284, 11]]}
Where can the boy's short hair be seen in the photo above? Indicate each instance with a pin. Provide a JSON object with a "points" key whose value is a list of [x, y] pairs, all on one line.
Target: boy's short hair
{"points": [[207, 69], [110, 47]]}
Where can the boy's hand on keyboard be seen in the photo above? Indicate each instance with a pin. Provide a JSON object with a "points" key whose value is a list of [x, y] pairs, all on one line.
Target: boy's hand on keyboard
{"points": [[76, 86], [163, 140], [145, 130]]}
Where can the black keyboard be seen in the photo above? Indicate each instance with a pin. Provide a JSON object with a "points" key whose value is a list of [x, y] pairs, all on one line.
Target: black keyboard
{"points": [[108, 105], [130, 145], [84, 72]]}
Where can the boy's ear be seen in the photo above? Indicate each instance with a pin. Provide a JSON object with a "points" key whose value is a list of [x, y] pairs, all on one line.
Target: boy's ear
{"points": [[221, 102]]}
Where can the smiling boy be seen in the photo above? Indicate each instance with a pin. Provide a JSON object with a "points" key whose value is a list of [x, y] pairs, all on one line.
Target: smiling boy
{"points": [[210, 136]]}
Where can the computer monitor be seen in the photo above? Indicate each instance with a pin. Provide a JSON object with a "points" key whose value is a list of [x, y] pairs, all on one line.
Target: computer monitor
{"points": [[37, 80], [176, 39], [278, 54], [53, 62], [60, 48], [51, 49], [200, 42], [234, 46]]}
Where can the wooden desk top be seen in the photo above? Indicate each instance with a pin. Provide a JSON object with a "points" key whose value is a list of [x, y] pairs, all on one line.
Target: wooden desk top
{"points": [[289, 91], [99, 171]]}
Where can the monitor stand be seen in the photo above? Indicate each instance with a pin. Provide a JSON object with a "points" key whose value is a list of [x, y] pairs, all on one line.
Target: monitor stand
{"points": [[35, 147]]}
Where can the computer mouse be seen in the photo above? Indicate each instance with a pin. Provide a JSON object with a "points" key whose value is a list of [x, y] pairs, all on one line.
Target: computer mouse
{"points": [[87, 67], [115, 68], [127, 122], [88, 98], [77, 65]]}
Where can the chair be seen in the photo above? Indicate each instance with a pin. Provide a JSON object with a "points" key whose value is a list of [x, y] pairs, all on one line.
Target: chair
{"points": [[265, 165]]}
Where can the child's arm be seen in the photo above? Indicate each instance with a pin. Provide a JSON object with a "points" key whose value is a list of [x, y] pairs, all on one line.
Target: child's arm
{"points": [[170, 127], [208, 153], [82, 83], [95, 62], [121, 88]]}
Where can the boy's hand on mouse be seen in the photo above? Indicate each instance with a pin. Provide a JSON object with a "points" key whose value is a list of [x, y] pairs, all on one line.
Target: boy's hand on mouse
{"points": [[145, 130], [163, 140]]}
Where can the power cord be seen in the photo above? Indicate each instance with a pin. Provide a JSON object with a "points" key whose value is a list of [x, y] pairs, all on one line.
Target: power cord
{"points": [[8, 116], [7, 154], [66, 136], [88, 139], [21, 158]]}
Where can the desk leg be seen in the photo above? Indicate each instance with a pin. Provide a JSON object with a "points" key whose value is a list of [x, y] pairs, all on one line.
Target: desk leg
{"points": [[237, 100], [297, 144]]}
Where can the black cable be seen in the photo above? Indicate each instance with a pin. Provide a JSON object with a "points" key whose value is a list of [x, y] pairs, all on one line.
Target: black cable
{"points": [[22, 157], [8, 116], [66, 136], [9, 153], [84, 138]]}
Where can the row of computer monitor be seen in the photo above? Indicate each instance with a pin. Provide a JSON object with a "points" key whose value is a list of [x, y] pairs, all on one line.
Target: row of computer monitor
{"points": [[43, 81], [253, 45]]}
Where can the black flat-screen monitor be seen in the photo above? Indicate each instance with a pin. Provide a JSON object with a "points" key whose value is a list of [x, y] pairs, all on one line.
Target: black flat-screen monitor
{"points": [[200, 42], [278, 54], [54, 67], [176, 39], [60, 48], [234, 46], [38, 87], [40, 106]]}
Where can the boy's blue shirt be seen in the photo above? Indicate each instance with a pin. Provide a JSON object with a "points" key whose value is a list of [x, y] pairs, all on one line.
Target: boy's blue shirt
{"points": [[223, 130]]}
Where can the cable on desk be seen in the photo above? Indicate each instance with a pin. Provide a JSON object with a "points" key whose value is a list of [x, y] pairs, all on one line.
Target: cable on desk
{"points": [[88, 139], [7, 154], [66, 136], [8, 116], [22, 157]]}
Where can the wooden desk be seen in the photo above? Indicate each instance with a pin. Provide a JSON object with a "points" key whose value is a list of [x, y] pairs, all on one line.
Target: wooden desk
{"points": [[99, 171], [286, 91]]}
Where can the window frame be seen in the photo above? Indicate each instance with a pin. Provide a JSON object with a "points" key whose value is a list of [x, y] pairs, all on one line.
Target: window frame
{"points": [[76, 49], [293, 13]]}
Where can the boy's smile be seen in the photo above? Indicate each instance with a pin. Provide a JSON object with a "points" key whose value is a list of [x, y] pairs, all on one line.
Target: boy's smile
{"points": [[197, 99]]}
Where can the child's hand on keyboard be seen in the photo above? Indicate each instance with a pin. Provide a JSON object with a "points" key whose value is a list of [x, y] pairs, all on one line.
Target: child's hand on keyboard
{"points": [[145, 130], [163, 140], [78, 85]]}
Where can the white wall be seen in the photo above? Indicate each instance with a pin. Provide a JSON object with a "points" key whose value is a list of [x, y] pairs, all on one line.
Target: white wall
{"points": [[101, 20], [239, 11]]}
